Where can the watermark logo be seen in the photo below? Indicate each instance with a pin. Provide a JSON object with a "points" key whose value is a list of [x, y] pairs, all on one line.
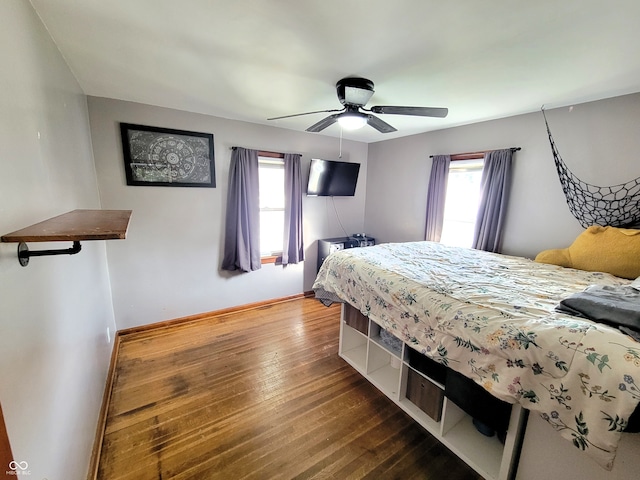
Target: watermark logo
{"points": [[18, 468]]}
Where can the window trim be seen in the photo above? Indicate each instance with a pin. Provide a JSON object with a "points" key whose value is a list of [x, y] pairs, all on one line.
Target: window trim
{"points": [[267, 259], [467, 156]]}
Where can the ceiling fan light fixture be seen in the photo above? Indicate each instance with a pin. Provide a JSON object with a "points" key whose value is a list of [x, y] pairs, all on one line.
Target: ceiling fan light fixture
{"points": [[352, 120]]}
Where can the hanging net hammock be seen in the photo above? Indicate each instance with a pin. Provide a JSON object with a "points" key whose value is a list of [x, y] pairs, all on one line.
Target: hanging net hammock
{"points": [[617, 206]]}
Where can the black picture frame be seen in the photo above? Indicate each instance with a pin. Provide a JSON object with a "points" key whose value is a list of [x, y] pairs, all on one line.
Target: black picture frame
{"points": [[166, 157]]}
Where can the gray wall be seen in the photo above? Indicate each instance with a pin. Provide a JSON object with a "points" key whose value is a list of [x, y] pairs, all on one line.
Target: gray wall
{"points": [[599, 142], [169, 266], [54, 313]]}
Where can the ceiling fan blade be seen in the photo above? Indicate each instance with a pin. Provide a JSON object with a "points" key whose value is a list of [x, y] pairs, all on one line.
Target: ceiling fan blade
{"points": [[306, 113], [418, 111], [324, 123], [381, 126]]}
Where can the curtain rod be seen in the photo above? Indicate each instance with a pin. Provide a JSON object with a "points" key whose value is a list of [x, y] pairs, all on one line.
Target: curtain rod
{"points": [[469, 155]]}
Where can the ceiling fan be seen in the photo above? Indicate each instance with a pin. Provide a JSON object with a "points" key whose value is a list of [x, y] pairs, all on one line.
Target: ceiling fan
{"points": [[354, 93]]}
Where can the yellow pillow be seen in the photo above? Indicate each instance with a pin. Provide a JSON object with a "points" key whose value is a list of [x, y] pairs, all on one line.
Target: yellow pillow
{"points": [[600, 249]]}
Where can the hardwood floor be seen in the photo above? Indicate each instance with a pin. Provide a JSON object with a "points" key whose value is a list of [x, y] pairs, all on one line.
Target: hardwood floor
{"points": [[258, 394]]}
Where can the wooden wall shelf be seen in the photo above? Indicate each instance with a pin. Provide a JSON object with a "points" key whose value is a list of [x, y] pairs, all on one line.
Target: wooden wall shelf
{"points": [[74, 226]]}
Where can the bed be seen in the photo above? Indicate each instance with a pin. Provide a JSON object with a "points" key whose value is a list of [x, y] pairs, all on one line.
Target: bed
{"points": [[493, 319]]}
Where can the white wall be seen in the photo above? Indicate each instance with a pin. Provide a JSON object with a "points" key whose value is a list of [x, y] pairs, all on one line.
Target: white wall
{"points": [[169, 266], [599, 142], [55, 312]]}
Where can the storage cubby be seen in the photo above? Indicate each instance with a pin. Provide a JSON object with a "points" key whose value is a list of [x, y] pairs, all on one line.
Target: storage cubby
{"points": [[353, 347], [482, 453], [385, 340], [383, 370], [417, 385]]}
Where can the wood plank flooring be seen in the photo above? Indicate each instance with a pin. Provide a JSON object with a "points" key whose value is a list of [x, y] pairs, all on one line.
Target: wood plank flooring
{"points": [[258, 394]]}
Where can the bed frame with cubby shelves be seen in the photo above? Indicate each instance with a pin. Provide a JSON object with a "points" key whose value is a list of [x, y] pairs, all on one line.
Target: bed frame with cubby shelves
{"points": [[389, 371]]}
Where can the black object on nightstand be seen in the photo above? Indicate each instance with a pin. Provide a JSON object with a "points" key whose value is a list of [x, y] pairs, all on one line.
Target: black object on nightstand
{"points": [[330, 245]]}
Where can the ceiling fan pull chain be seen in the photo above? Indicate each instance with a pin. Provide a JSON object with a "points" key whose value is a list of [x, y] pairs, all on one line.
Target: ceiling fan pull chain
{"points": [[340, 154]]}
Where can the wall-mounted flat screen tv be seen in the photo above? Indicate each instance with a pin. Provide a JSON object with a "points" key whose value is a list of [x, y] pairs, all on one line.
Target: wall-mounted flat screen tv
{"points": [[328, 178]]}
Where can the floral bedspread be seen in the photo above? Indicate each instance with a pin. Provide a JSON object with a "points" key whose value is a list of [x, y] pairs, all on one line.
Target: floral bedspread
{"points": [[492, 318]]}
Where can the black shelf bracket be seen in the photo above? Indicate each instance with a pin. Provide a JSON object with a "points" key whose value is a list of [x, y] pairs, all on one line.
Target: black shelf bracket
{"points": [[24, 254]]}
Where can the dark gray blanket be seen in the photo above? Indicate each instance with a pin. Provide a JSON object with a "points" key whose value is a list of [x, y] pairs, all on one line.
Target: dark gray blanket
{"points": [[616, 306]]}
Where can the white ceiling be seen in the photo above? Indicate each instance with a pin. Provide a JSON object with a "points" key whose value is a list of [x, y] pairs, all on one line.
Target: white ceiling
{"points": [[254, 59]]}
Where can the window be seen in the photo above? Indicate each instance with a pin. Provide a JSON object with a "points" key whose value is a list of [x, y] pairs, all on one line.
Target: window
{"points": [[261, 192], [271, 180], [461, 203]]}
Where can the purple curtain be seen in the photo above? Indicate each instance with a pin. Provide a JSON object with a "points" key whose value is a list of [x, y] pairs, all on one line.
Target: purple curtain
{"points": [[242, 226], [293, 247], [494, 191], [436, 196]]}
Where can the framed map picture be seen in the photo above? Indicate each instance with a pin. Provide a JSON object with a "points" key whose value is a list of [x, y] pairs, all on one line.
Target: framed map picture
{"points": [[165, 157]]}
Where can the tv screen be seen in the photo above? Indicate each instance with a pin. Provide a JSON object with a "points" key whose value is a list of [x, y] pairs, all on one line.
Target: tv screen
{"points": [[329, 178]]}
